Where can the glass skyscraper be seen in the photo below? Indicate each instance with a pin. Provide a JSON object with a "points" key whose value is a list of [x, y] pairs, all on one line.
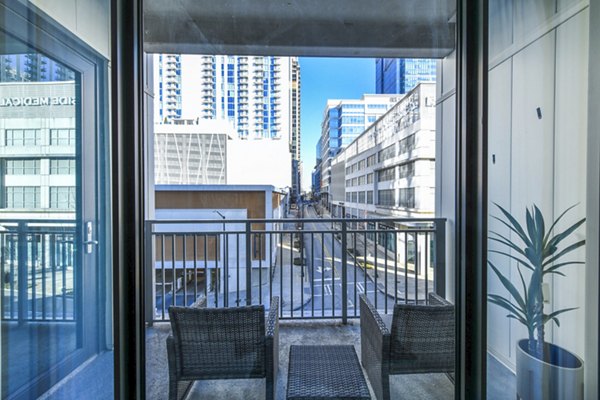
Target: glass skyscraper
{"points": [[400, 75]]}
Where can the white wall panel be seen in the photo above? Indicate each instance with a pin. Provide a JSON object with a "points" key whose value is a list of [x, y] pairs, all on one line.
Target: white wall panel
{"points": [[499, 192], [569, 171], [531, 14], [500, 26], [88, 19]]}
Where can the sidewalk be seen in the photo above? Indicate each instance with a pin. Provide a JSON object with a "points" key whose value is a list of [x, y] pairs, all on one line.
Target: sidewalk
{"points": [[402, 280]]}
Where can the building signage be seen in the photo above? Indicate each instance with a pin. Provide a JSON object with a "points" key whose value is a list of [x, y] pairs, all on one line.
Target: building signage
{"points": [[37, 101]]}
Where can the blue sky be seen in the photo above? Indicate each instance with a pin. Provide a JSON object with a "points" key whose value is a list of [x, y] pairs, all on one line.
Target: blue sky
{"points": [[322, 79]]}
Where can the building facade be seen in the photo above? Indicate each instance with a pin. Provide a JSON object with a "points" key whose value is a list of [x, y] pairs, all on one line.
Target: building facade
{"points": [[343, 121], [389, 170], [295, 138], [209, 152], [38, 150], [258, 98], [400, 75]]}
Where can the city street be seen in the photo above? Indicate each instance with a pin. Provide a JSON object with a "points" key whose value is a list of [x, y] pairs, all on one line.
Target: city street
{"points": [[324, 267]]}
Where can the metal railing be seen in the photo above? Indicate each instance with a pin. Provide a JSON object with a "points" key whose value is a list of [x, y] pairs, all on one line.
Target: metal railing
{"points": [[317, 266], [38, 270]]}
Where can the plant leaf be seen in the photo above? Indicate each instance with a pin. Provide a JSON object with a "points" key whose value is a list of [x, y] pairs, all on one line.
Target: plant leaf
{"points": [[553, 268], [507, 305], [507, 243], [553, 315], [556, 222], [566, 250], [519, 260], [554, 241], [509, 286], [516, 226]]}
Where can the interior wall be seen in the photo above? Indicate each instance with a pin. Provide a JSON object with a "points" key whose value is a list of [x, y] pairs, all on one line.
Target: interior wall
{"points": [[88, 19], [537, 146], [445, 160]]}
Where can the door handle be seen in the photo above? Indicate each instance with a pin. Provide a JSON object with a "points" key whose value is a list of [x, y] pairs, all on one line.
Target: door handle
{"points": [[89, 242]]}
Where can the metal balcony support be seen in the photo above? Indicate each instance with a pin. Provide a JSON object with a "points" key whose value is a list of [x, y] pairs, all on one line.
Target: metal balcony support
{"points": [[440, 258], [344, 274], [248, 263], [22, 273], [150, 290]]}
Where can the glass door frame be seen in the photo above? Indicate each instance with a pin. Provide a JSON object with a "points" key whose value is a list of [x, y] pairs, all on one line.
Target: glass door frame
{"points": [[471, 197], [24, 22]]}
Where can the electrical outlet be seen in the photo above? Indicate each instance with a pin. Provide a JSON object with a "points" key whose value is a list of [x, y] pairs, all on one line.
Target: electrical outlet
{"points": [[546, 292]]}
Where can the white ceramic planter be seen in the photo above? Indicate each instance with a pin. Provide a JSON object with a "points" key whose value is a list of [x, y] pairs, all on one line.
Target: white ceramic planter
{"points": [[560, 378]]}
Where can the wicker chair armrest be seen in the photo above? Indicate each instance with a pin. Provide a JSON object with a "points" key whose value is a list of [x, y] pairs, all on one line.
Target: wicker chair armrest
{"points": [[272, 346], [172, 358], [375, 348], [437, 300]]}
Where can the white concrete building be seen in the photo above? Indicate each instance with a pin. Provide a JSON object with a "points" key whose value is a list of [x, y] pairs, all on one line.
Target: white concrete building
{"points": [[389, 170], [37, 150], [208, 152]]}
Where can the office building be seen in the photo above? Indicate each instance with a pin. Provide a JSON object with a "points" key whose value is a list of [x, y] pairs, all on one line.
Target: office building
{"points": [[37, 150], [343, 121], [209, 152], [400, 75], [295, 138], [389, 170]]}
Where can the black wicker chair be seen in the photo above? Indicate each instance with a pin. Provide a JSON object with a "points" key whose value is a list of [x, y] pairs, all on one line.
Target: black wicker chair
{"points": [[222, 343], [419, 339]]}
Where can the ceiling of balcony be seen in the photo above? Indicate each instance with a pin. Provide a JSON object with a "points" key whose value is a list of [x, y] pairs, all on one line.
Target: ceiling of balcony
{"points": [[350, 28]]}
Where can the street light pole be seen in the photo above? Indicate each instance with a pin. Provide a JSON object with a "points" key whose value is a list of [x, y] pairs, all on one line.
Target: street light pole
{"points": [[225, 267]]}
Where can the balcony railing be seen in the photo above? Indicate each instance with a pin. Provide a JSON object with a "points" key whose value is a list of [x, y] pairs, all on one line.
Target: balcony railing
{"points": [[38, 270], [318, 267]]}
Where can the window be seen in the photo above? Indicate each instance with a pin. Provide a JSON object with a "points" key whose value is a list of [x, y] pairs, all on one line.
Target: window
{"points": [[407, 144], [62, 137], [348, 182], [348, 197], [62, 167], [406, 170], [407, 198], [23, 167], [23, 137], [386, 197], [369, 197], [62, 197], [387, 153], [387, 174], [361, 164], [371, 160], [361, 180], [361, 197], [354, 182], [354, 197], [369, 178], [23, 197]]}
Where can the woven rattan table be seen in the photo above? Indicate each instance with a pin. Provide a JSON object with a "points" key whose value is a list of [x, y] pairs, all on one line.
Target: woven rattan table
{"points": [[325, 372]]}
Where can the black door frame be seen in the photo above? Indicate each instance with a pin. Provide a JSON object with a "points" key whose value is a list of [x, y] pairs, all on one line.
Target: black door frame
{"points": [[51, 39]]}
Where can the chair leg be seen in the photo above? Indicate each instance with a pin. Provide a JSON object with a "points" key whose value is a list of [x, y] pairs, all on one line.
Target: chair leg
{"points": [[270, 388]]}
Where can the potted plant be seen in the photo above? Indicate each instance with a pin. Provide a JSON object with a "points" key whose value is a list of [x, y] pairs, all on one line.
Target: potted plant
{"points": [[544, 370]]}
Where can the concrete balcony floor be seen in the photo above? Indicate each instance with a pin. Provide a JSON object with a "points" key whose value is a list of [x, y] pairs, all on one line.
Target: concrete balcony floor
{"points": [[422, 386], [94, 380]]}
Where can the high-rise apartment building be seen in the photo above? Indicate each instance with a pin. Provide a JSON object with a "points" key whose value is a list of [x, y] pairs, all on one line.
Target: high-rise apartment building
{"points": [[295, 139], [167, 87], [32, 67], [257, 96], [343, 121], [400, 75]]}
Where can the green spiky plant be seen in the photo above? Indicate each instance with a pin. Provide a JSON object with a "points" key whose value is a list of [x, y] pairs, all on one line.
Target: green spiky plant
{"points": [[540, 255]]}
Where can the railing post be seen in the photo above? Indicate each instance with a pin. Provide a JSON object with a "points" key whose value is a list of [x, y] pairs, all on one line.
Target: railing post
{"points": [[248, 263], [439, 279], [344, 274], [22, 273], [149, 262]]}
